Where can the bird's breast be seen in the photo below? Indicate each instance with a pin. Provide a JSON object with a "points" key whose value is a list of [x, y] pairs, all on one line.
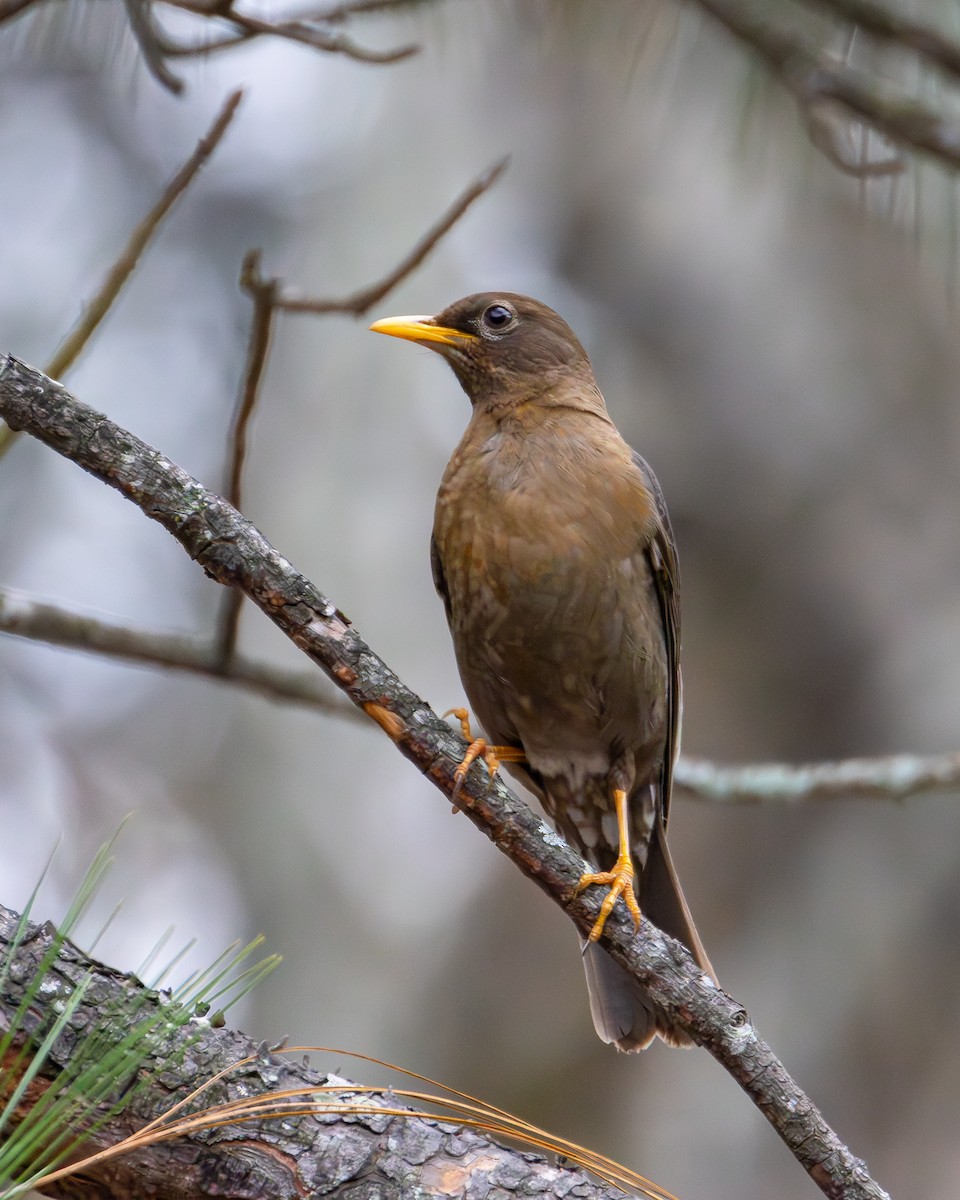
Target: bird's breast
{"points": [[542, 537]]}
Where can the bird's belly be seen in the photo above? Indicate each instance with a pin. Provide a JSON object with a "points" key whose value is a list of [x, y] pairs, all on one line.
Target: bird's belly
{"points": [[565, 656]]}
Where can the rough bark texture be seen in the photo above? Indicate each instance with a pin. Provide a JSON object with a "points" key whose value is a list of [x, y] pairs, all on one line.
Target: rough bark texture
{"points": [[234, 553], [375, 1156]]}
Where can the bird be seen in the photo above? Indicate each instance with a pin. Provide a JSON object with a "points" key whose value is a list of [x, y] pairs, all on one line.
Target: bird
{"points": [[554, 557]]}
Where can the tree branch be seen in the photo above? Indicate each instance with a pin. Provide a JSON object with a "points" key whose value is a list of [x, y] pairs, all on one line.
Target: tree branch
{"points": [[320, 1152], [102, 301], [233, 552], [895, 777], [57, 626]]}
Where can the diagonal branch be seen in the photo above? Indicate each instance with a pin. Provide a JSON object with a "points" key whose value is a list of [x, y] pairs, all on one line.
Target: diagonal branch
{"points": [[96, 309], [233, 552]]}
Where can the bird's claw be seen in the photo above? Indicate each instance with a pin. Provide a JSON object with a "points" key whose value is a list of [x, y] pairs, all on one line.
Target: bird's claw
{"points": [[479, 748], [620, 881]]}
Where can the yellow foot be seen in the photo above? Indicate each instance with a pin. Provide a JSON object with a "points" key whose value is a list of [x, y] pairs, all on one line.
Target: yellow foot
{"points": [[620, 879], [493, 756]]}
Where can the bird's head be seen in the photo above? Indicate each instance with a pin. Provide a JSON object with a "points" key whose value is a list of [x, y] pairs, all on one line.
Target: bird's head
{"points": [[505, 349]]}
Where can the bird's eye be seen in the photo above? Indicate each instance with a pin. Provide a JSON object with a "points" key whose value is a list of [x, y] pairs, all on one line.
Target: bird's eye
{"points": [[497, 316]]}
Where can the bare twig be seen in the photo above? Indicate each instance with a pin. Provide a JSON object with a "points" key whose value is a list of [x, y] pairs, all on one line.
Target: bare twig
{"points": [[94, 312], [140, 16], [360, 302], [268, 299], [233, 552], [342, 12], [305, 31], [263, 293], [57, 626]]}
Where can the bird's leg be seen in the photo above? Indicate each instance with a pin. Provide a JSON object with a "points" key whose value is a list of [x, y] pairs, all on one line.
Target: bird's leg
{"points": [[493, 756], [620, 878]]}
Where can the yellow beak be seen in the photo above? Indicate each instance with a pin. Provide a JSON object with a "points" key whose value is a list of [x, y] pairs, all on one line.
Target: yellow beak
{"points": [[421, 329]]}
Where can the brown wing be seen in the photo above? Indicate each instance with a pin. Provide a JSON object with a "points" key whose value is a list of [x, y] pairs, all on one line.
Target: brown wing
{"points": [[439, 582], [662, 556]]}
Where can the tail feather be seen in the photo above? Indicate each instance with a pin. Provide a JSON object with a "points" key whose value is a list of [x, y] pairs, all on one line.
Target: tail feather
{"points": [[622, 1011]]}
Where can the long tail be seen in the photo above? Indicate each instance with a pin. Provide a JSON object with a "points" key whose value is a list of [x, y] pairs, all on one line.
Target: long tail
{"points": [[622, 1010]]}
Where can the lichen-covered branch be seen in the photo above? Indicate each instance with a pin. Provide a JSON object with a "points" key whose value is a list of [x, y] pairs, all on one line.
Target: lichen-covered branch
{"points": [[234, 553], [894, 777]]}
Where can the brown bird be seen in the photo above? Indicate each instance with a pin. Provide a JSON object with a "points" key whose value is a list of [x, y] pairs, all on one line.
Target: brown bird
{"points": [[554, 557]]}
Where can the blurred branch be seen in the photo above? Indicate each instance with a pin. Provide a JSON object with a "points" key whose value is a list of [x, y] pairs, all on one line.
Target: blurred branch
{"points": [[93, 313], [231, 551], [269, 298], [307, 30], [310, 29], [57, 626], [895, 777], [898, 27], [140, 16], [12, 8], [816, 79], [360, 1138]]}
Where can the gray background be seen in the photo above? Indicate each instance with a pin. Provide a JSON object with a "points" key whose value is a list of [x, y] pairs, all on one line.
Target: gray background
{"points": [[786, 358]]}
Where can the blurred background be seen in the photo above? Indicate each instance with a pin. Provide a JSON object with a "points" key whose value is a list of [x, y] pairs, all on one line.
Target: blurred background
{"points": [[778, 339]]}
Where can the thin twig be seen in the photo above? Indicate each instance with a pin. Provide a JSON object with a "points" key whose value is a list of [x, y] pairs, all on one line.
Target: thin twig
{"points": [[263, 293], [268, 299], [54, 625], [360, 302], [94, 312], [140, 16], [342, 12], [302, 31], [231, 551]]}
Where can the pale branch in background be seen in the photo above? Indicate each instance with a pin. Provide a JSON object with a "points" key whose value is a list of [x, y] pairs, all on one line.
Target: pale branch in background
{"points": [[893, 777], [231, 551]]}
